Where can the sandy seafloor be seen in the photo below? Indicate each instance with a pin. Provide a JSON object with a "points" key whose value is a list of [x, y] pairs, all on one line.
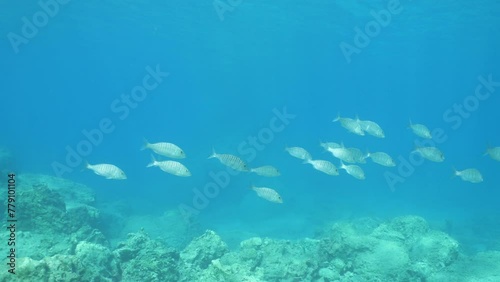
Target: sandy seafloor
{"points": [[66, 234]]}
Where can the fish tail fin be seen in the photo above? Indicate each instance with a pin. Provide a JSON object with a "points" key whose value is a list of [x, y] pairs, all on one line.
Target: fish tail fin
{"points": [[307, 161], [357, 117], [410, 123], [455, 172], [153, 161], [321, 143], [337, 118], [145, 144], [213, 155], [415, 147], [85, 165], [342, 164], [367, 155], [488, 147], [325, 149]]}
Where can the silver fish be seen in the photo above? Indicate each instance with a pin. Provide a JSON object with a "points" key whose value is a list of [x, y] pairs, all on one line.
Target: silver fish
{"points": [[357, 155], [327, 145], [267, 170], [471, 175], [420, 130], [353, 170], [268, 194], [231, 161], [350, 124], [430, 153], [165, 149], [172, 167], [323, 166], [371, 128], [381, 158], [109, 171], [494, 153], [342, 154], [299, 153]]}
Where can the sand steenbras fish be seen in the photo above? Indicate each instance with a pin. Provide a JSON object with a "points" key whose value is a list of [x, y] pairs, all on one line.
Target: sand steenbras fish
{"points": [[267, 170], [357, 155], [350, 124], [231, 161], [430, 153], [420, 130], [268, 194], [349, 155], [471, 175], [108, 171], [323, 166], [381, 158], [371, 128], [353, 170], [327, 145], [165, 149], [172, 167], [494, 153], [299, 153]]}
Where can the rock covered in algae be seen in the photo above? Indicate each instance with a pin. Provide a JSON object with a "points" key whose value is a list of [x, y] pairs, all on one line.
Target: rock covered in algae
{"points": [[482, 267], [202, 250], [90, 262], [74, 249], [49, 225], [279, 259], [258, 259], [43, 210], [398, 250], [383, 261], [98, 260], [72, 193], [436, 249], [144, 259]]}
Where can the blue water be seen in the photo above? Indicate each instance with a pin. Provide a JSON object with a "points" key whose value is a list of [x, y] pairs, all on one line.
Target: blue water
{"points": [[225, 79]]}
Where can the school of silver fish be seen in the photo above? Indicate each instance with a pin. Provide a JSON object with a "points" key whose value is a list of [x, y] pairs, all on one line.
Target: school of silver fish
{"points": [[350, 155]]}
